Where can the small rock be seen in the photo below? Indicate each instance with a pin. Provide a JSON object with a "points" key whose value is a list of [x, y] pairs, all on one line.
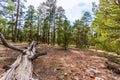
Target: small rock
{"points": [[114, 78], [75, 78], [60, 77], [97, 78], [102, 66], [93, 71]]}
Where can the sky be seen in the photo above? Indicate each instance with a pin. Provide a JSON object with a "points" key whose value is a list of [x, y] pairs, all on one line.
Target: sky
{"points": [[74, 9]]}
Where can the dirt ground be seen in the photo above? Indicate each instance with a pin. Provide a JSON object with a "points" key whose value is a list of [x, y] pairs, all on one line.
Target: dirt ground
{"points": [[60, 64]]}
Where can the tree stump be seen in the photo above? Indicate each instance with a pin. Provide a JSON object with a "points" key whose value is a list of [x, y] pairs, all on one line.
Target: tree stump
{"points": [[22, 68]]}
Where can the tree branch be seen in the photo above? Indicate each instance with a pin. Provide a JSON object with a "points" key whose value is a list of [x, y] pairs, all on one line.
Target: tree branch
{"points": [[38, 54], [7, 45], [33, 44]]}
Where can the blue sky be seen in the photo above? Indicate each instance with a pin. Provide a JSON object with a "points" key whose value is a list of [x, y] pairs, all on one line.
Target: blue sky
{"points": [[73, 8]]}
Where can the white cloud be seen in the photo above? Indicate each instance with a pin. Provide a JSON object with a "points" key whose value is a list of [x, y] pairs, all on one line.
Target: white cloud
{"points": [[35, 3], [67, 4], [73, 8]]}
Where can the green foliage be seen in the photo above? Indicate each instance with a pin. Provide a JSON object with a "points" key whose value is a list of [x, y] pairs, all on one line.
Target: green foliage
{"points": [[45, 29], [81, 30], [29, 21], [106, 26], [59, 31], [49, 25], [66, 34]]}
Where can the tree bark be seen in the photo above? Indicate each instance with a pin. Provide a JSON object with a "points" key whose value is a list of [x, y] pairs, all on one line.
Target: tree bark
{"points": [[48, 41], [38, 29], [16, 23], [12, 28], [54, 32]]}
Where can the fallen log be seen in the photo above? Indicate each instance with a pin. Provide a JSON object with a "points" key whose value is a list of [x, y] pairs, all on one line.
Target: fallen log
{"points": [[114, 67], [22, 68]]}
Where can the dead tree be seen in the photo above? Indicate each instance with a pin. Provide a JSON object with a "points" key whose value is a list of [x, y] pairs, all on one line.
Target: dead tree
{"points": [[22, 68]]}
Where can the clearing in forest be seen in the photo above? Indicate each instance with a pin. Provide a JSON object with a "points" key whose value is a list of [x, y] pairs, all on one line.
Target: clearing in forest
{"points": [[60, 64]]}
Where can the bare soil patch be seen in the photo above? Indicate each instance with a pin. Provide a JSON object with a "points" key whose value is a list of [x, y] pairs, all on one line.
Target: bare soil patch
{"points": [[60, 64]]}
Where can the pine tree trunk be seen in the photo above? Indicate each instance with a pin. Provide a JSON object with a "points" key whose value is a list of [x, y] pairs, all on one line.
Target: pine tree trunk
{"points": [[54, 32], [48, 41], [12, 28], [16, 23], [38, 29]]}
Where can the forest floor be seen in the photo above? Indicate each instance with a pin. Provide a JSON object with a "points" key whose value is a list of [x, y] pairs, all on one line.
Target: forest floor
{"points": [[71, 64]]}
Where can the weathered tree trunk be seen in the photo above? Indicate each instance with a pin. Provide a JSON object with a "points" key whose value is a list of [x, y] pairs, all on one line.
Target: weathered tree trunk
{"points": [[22, 68]]}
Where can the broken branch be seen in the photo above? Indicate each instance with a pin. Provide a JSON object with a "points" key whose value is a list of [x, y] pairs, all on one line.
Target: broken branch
{"points": [[37, 55], [7, 45]]}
